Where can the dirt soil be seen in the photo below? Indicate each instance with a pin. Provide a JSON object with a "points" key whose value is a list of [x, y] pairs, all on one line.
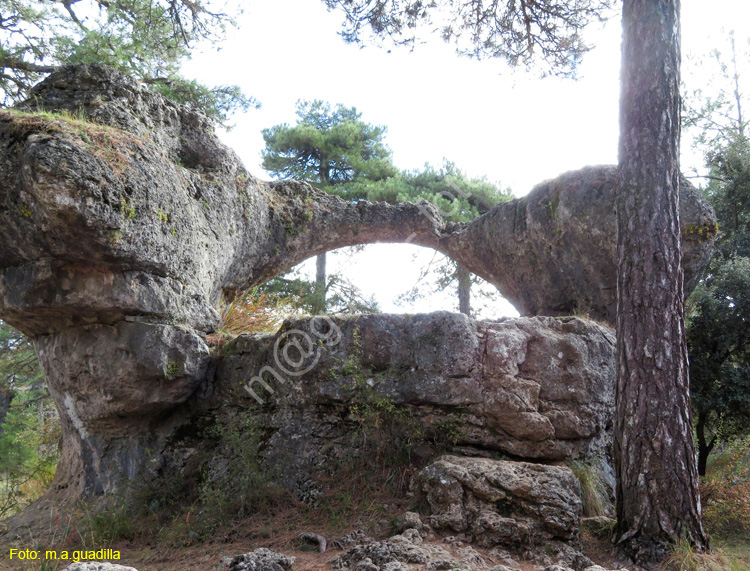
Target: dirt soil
{"points": [[145, 555]]}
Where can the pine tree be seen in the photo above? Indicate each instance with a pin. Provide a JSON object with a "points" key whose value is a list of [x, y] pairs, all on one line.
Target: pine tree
{"points": [[331, 148]]}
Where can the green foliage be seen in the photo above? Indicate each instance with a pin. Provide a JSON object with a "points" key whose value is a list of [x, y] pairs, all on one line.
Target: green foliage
{"points": [[341, 296], [219, 102], [457, 197], [331, 148], [237, 484], [725, 491], [719, 342], [328, 147], [718, 312], [29, 426], [544, 34], [145, 38]]}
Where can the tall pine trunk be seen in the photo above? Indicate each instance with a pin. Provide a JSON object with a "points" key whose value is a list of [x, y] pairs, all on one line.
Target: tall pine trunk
{"points": [[464, 290], [319, 292], [657, 482]]}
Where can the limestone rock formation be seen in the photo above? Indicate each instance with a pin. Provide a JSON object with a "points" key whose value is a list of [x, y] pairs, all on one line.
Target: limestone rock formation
{"points": [[552, 252], [498, 502], [261, 559], [539, 388], [125, 222], [395, 554], [93, 566]]}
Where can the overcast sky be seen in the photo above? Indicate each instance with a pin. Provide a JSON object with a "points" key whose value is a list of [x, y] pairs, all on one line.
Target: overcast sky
{"points": [[513, 128]]}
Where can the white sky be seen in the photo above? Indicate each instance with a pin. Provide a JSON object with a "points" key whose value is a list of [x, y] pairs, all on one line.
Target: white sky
{"points": [[510, 127]]}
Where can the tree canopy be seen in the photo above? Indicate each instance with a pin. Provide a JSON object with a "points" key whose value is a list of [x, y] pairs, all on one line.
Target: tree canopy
{"points": [[328, 147], [145, 38], [527, 33]]}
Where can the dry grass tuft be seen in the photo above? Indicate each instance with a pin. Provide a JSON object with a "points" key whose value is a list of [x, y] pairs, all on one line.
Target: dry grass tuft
{"points": [[113, 146], [256, 312]]}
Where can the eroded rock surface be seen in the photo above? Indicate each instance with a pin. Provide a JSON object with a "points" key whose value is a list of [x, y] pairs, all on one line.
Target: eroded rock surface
{"points": [[498, 502], [552, 252], [261, 559], [538, 387], [396, 553]]}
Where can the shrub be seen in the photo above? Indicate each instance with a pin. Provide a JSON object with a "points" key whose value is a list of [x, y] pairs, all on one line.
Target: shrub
{"points": [[725, 491]]}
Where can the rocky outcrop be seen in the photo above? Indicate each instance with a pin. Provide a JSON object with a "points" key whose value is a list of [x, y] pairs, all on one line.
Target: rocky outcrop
{"points": [[552, 252], [126, 221], [497, 502], [396, 553], [538, 388], [261, 559]]}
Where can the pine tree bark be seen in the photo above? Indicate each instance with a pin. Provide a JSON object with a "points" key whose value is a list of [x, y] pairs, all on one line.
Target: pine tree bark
{"points": [[657, 482], [319, 293], [464, 290]]}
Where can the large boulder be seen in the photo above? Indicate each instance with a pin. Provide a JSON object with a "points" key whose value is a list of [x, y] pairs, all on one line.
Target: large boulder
{"points": [[499, 502]]}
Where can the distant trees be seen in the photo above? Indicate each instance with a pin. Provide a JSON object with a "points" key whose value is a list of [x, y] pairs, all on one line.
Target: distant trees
{"points": [[458, 199], [145, 38], [718, 330], [331, 148], [29, 429]]}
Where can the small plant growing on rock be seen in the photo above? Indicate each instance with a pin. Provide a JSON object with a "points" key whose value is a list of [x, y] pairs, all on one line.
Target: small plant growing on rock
{"points": [[113, 146]]}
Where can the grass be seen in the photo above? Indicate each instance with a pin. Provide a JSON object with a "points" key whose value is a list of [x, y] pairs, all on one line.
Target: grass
{"points": [[725, 492], [685, 558], [593, 494], [111, 145]]}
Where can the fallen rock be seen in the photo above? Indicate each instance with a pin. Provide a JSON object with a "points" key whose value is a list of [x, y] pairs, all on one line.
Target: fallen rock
{"points": [[393, 553], [499, 502], [261, 559], [92, 566], [315, 539], [357, 537], [408, 520]]}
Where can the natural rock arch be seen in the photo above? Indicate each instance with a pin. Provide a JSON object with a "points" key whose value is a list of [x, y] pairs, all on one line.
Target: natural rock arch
{"points": [[125, 222]]}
